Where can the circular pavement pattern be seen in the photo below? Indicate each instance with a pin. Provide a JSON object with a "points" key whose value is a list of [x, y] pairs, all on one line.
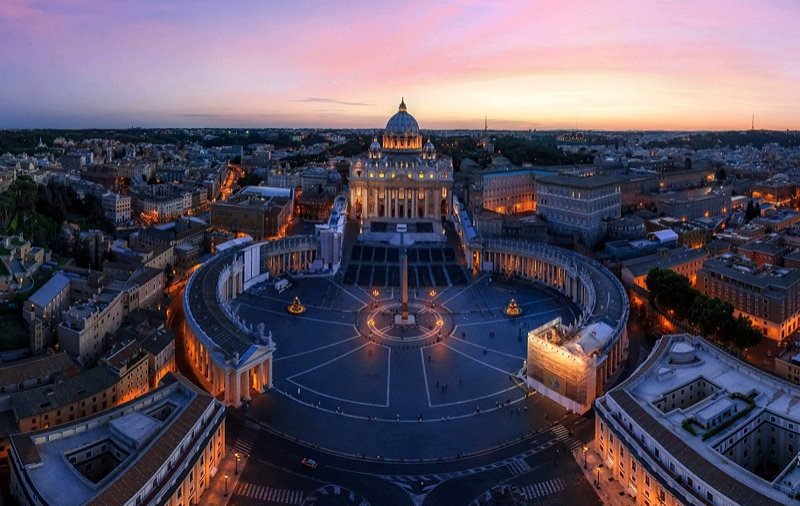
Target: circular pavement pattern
{"points": [[344, 357]]}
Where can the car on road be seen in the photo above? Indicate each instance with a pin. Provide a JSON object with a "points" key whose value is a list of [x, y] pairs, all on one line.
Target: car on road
{"points": [[309, 463]]}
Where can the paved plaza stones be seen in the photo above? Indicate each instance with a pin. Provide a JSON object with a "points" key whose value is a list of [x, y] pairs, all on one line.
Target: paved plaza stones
{"points": [[342, 362]]}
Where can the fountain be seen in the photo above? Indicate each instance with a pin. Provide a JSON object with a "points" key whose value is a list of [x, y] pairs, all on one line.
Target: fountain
{"points": [[512, 310], [296, 307]]}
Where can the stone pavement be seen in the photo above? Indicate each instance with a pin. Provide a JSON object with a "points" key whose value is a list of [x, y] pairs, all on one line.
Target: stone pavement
{"points": [[215, 493], [610, 492]]}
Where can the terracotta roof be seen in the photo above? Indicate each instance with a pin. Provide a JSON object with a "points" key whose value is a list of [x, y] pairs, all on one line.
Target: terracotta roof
{"points": [[39, 367], [133, 479]]}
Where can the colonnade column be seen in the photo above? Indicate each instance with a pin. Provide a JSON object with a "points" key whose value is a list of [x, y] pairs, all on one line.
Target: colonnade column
{"points": [[237, 383], [227, 386], [244, 379]]}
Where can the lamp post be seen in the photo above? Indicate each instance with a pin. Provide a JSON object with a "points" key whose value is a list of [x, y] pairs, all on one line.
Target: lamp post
{"points": [[585, 449], [597, 483], [226, 485], [237, 463]]}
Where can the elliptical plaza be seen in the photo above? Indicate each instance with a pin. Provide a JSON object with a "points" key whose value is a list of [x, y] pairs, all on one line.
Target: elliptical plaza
{"points": [[408, 349]]}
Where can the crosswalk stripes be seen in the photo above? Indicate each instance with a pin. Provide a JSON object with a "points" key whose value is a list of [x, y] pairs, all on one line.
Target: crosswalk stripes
{"points": [[542, 489], [517, 466], [269, 494], [562, 434], [244, 444]]}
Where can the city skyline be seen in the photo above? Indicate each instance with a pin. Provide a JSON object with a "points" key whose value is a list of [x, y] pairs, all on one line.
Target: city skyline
{"points": [[672, 66]]}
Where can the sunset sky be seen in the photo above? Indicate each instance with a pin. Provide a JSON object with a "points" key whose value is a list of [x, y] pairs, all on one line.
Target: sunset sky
{"points": [[653, 64]]}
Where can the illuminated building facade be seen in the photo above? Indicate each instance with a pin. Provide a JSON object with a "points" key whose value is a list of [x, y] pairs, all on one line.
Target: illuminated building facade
{"points": [[509, 190], [162, 448], [570, 365], [694, 425], [257, 211], [401, 178], [577, 205], [769, 296]]}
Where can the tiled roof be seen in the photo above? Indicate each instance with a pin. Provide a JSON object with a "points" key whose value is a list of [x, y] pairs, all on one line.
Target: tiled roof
{"points": [[135, 477], [678, 448], [39, 367]]}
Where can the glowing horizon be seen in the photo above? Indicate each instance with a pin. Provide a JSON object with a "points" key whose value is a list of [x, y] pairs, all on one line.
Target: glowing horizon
{"points": [[677, 65]]}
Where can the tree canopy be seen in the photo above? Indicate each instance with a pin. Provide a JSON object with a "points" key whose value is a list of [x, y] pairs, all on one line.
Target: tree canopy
{"points": [[712, 317]]}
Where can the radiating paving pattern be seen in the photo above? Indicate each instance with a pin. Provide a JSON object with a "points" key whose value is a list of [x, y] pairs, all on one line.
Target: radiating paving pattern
{"points": [[345, 356]]}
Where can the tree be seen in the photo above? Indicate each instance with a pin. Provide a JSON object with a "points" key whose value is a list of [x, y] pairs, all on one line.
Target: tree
{"points": [[712, 317], [749, 212]]}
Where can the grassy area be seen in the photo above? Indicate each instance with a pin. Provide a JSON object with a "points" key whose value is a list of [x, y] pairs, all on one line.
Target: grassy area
{"points": [[13, 334]]}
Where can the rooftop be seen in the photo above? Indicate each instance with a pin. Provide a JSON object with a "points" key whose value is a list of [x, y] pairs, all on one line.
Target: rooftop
{"points": [[38, 367], [680, 360], [48, 397], [49, 290], [663, 259], [148, 431], [585, 182], [768, 278]]}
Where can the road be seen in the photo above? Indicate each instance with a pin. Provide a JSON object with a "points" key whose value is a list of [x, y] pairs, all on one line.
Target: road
{"points": [[539, 466]]}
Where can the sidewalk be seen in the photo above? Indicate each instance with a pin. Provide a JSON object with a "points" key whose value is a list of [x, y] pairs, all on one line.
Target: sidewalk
{"points": [[610, 493], [215, 493]]}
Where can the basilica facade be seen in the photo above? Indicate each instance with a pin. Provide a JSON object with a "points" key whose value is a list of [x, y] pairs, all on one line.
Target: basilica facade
{"points": [[401, 178]]}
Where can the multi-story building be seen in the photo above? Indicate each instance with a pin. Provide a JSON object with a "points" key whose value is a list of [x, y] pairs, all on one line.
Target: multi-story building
{"points": [[258, 211], [74, 397], [83, 331], [694, 425], [159, 449], [684, 261], [787, 364], [42, 311], [130, 363], [116, 207], [778, 190], [763, 252], [159, 203], [401, 178], [694, 204], [777, 220], [160, 352], [509, 189], [769, 296], [34, 372], [576, 206]]}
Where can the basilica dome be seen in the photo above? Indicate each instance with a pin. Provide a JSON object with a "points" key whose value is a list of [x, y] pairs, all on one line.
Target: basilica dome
{"points": [[402, 132], [402, 123]]}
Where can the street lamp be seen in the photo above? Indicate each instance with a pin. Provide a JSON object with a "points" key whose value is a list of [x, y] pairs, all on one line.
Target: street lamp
{"points": [[237, 463], [585, 449], [597, 483], [226, 485]]}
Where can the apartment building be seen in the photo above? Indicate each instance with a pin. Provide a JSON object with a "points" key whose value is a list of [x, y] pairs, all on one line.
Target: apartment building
{"points": [[769, 296]]}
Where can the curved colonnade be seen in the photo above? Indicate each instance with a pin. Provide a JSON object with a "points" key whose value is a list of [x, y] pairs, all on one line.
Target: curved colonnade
{"points": [[230, 358], [599, 294]]}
